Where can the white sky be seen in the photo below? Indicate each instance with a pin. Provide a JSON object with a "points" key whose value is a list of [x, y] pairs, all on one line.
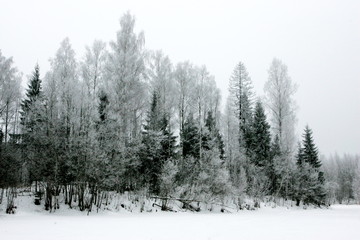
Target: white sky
{"points": [[318, 40]]}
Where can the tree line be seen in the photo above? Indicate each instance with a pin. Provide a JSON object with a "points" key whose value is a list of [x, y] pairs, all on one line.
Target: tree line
{"points": [[124, 118]]}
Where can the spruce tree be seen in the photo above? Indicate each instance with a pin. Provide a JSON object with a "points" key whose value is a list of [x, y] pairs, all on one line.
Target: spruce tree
{"points": [[275, 147], [275, 158], [309, 150], [33, 93], [299, 155], [33, 121], [241, 93], [159, 145], [212, 137], [190, 138], [261, 139], [309, 182], [168, 143], [104, 103]]}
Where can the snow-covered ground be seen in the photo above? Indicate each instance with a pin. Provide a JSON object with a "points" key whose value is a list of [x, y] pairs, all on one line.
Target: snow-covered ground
{"points": [[337, 222]]}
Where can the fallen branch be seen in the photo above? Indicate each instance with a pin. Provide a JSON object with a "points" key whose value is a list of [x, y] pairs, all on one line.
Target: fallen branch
{"points": [[164, 208], [187, 205]]}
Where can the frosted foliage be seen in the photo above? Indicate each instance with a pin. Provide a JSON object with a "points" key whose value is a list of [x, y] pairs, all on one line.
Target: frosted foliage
{"points": [[185, 81], [167, 177], [125, 74], [235, 155], [92, 67], [160, 74], [62, 85], [279, 91], [207, 94], [356, 184], [10, 82], [241, 91]]}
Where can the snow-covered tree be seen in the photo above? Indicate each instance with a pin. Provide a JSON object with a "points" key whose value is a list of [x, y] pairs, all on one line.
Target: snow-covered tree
{"points": [[33, 121], [356, 184], [160, 74], [309, 180], [211, 138], [190, 138], [93, 67], [279, 92], [158, 146], [260, 138], [125, 75], [185, 80], [241, 93], [235, 157], [309, 152], [10, 80]]}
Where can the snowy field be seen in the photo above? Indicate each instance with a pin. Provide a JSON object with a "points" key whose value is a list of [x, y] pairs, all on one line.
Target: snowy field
{"points": [[338, 222]]}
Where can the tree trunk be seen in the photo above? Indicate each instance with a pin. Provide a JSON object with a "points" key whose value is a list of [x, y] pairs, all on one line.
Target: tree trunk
{"points": [[6, 120], [11, 195], [1, 195]]}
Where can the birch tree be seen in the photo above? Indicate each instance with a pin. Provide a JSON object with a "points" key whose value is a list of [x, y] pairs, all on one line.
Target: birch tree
{"points": [[185, 80], [10, 80], [161, 77], [125, 75], [93, 66], [279, 94]]}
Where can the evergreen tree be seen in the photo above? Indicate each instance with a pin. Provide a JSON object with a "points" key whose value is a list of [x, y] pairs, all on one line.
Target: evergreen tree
{"points": [[260, 169], [241, 93], [307, 187], [158, 146], [154, 115], [212, 137], [104, 103], [275, 147], [190, 138], [260, 139], [33, 121], [168, 143], [274, 168], [299, 155], [309, 150], [33, 95], [309, 180]]}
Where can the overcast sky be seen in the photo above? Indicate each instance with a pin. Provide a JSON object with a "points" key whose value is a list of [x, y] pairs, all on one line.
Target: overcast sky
{"points": [[319, 41]]}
